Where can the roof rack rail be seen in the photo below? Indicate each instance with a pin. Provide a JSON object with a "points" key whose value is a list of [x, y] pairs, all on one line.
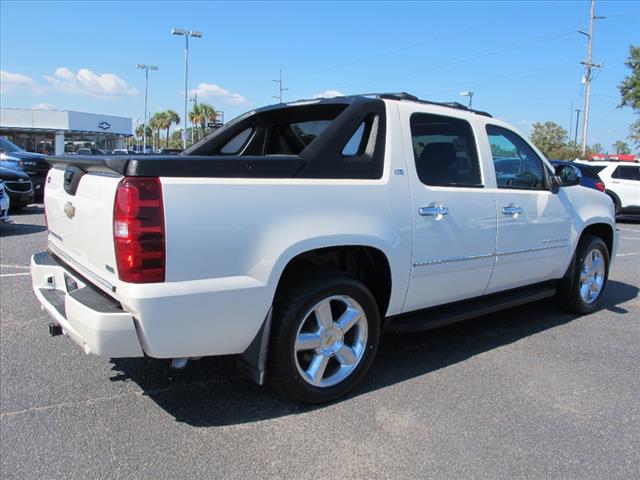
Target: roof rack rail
{"points": [[413, 98]]}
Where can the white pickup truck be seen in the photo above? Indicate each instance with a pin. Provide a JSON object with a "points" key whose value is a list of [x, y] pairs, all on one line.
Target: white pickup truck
{"points": [[296, 233]]}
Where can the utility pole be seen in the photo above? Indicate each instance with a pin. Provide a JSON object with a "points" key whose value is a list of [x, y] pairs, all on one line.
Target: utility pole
{"points": [[280, 87], [570, 120], [575, 140], [589, 67]]}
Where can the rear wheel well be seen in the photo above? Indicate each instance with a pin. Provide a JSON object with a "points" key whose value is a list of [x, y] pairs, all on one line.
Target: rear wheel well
{"points": [[367, 264], [614, 197], [602, 230]]}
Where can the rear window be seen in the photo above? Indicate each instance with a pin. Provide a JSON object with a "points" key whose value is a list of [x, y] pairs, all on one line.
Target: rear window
{"points": [[293, 138], [587, 171]]}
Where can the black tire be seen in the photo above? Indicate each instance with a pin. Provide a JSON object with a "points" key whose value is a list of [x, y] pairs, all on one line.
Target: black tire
{"points": [[569, 295], [616, 202], [291, 312]]}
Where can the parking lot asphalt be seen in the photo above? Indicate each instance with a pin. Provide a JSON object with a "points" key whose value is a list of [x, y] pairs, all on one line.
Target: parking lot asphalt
{"points": [[530, 392]]}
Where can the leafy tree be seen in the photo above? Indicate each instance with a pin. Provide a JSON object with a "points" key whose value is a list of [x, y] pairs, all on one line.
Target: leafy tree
{"points": [[597, 148], [140, 131], [170, 117], [201, 114], [550, 138], [621, 148], [157, 122], [630, 91]]}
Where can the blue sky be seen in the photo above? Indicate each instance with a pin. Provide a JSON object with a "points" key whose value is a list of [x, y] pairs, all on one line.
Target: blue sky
{"points": [[520, 58]]}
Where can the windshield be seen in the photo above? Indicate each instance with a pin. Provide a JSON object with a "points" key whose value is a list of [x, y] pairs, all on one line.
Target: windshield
{"points": [[7, 147]]}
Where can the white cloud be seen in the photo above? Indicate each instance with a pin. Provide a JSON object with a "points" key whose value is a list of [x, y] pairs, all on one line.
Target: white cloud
{"points": [[211, 90], [44, 106], [329, 94], [64, 73], [86, 82], [12, 82]]}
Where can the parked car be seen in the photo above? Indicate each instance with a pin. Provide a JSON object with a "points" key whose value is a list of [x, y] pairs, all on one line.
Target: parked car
{"points": [[120, 151], [33, 164], [295, 234], [169, 151], [4, 203], [589, 175], [19, 187], [622, 180], [89, 151]]}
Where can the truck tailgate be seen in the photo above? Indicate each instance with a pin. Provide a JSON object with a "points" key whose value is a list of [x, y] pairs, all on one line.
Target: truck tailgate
{"points": [[81, 223]]}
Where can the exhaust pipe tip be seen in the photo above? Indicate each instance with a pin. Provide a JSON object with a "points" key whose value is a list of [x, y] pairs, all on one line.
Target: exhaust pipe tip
{"points": [[179, 363]]}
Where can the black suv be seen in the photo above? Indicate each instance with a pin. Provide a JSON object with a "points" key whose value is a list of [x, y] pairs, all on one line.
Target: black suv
{"points": [[33, 164]]}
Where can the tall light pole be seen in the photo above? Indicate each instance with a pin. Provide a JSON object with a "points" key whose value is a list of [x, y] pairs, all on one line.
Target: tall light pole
{"points": [[470, 95], [146, 69], [187, 34]]}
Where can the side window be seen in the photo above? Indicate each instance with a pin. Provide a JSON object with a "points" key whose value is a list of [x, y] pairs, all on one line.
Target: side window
{"points": [[236, 144], [628, 173], [516, 164], [444, 151]]}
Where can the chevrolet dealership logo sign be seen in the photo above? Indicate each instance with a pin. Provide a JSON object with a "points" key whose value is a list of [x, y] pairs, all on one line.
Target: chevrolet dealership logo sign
{"points": [[104, 125]]}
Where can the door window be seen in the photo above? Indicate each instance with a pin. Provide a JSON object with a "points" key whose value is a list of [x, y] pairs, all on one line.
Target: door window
{"points": [[516, 164], [444, 150], [627, 173]]}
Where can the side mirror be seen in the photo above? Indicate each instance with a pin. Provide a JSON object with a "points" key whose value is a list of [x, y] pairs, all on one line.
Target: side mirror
{"points": [[568, 175]]}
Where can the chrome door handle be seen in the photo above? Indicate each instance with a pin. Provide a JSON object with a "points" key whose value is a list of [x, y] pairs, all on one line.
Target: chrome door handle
{"points": [[512, 210], [433, 211], [614, 181]]}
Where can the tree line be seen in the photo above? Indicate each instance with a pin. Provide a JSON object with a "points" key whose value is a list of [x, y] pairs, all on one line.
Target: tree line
{"points": [[200, 116]]}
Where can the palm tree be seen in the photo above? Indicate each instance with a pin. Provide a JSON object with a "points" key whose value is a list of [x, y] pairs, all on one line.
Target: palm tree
{"points": [[157, 123], [170, 117], [140, 132], [201, 114]]}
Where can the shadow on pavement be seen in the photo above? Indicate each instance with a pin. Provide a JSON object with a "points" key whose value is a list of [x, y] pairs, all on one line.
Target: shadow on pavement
{"points": [[15, 226], [210, 392]]}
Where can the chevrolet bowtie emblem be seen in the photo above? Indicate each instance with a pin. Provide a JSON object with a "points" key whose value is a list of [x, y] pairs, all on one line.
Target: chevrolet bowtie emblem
{"points": [[69, 210]]}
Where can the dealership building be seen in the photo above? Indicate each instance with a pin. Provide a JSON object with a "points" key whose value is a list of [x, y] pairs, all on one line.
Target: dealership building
{"points": [[60, 131]]}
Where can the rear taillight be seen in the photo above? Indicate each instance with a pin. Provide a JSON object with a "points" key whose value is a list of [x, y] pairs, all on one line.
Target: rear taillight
{"points": [[138, 230], [600, 186]]}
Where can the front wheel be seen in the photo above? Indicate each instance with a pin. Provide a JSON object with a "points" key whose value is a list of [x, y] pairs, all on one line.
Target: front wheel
{"points": [[325, 335], [582, 289]]}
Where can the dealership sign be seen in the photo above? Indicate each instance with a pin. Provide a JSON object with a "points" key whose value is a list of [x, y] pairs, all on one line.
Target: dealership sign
{"points": [[104, 125]]}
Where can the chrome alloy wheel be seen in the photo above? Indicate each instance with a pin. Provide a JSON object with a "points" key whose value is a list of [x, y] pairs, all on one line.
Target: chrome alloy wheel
{"points": [[331, 341], [592, 276]]}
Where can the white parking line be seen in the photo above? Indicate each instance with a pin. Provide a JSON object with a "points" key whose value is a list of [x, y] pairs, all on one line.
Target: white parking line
{"points": [[14, 274], [629, 238], [12, 266], [627, 254], [628, 229]]}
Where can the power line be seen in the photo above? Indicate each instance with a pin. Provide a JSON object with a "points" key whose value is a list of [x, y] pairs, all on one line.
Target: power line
{"points": [[460, 60]]}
